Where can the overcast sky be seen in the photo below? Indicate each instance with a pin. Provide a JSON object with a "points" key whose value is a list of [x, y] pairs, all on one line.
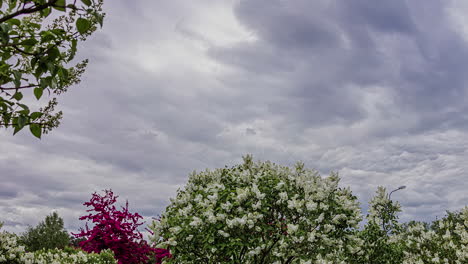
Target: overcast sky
{"points": [[376, 90]]}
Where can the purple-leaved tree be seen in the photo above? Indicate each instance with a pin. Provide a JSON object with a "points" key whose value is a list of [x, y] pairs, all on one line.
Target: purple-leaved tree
{"points": [[116, 230]]}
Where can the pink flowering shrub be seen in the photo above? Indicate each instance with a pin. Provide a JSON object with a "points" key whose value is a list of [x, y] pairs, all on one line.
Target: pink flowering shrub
{"points": [[116, 230]]}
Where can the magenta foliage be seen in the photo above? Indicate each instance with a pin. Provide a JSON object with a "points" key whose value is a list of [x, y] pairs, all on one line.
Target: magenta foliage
{"points": [[116, 230]]}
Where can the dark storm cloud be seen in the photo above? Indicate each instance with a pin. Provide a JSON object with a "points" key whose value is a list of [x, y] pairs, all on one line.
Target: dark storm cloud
{"points": [[329, 51], [383, 16]]}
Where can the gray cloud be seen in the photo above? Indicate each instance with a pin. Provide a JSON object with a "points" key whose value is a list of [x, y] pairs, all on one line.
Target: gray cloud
{"points": [[372, 90]]}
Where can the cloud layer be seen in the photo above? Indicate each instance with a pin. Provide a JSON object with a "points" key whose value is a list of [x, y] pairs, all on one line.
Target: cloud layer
{"points": [[375, 91]]}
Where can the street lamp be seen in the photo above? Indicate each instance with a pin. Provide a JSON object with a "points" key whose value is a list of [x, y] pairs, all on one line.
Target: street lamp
{"points": [[387, 209], [399, 188]]}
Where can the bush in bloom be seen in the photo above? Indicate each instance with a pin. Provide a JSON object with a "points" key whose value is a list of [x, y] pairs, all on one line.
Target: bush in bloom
{"points": [[12, 252], [445, 241], [385, 240], [260, 213], [116, 230]]}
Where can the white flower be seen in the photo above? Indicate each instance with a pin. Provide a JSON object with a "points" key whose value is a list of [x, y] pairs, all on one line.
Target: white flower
{"points": [[196, 222], [175, 229], [320, 218], [213, 197], [257, 205], [242, 194], [220, 217], [226, 206], [255, 251], [171, 241], [198, 198], [283, 195], [224, 234], [279, 185], [311, 206], [292, 228]]}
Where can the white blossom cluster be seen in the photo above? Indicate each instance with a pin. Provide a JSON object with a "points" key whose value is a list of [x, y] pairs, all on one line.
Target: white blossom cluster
{"points": [[13, 253], [385, 240], [260, 213], [448, 243]]}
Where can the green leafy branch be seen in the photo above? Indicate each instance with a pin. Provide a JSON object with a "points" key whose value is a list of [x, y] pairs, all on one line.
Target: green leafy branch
{"points": [[35, 55]]}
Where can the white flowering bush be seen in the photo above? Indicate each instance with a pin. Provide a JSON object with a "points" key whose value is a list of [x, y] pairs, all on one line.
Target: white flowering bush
{"points": [[259, 212], [13, 253], [446, 241]]}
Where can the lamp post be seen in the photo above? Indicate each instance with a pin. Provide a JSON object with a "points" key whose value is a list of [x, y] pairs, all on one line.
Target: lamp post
{"points": [[399, 188], [386, 208]]}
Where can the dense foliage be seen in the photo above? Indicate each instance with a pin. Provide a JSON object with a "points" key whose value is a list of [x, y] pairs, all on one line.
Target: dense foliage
{"points": [[12, 252], [116, 230], [445, 241], [265, 213], [256, 212], [38, 42], [48, 234]]}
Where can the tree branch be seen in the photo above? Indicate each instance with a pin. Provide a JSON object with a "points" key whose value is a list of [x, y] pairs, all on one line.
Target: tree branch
{"points": [[265, 253], [18, 88], [27, 124], [22, 51], [28, 10], [289, 260]]}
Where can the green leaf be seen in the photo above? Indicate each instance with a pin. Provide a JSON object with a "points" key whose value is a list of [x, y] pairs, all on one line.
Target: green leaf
{"points": [[47, 36], [12, 4], [53, 83], [46, 12], [38, 92], [29, 42], [50, 66], [99, 18], [25, 107], [24, 112], [22, 120], [17, 129], [36, 115], [73, 49], [52, 69], [17, 80], [60, 5], [58, 31], [14, 21], [65, 74], [82, 25], [86, 2], [35, 25], [5, 28], [6, 118], [53, 53], [36, 130], [17, 96]]}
